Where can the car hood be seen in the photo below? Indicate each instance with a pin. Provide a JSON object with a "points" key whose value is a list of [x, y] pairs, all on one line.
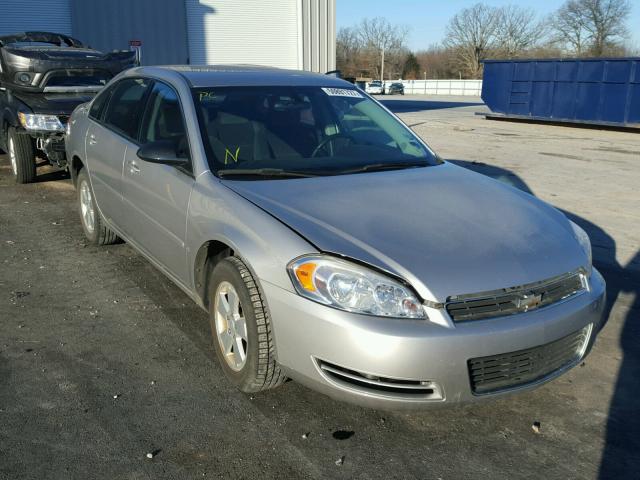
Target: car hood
{"points": [[444, 229], [53, 103]]}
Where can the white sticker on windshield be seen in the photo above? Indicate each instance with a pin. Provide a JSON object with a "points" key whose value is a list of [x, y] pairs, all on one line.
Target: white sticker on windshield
{"points": [[342, 92]]}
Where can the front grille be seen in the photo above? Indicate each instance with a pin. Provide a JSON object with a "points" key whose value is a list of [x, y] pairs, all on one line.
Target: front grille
{"points": [[510, 370], [381, 385], [509, 301]]}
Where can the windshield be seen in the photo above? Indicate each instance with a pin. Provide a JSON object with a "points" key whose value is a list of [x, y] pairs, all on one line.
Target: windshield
{"points": [[303, 131]]}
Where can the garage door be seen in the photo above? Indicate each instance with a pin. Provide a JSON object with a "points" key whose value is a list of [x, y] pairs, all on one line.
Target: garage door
{"points": [[261, 32], [44, 15]]}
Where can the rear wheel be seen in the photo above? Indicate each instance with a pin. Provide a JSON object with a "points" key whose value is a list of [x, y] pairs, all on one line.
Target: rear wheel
{"points": [[94, 228], [22, 156], [241, 328]]}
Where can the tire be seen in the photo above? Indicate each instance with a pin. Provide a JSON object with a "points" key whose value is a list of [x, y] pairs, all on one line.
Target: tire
{"points": [[95, 230], [258, 370], [22, 156]]}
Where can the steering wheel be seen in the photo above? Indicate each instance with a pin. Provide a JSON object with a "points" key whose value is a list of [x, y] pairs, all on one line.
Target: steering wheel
{"points": [[329, 141]]}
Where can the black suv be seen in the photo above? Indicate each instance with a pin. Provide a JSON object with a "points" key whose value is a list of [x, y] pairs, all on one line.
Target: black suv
{"points": [[43, 77], [395, 88]]}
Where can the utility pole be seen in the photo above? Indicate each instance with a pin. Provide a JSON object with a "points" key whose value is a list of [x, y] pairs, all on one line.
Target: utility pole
{"points": [[382, 68]]}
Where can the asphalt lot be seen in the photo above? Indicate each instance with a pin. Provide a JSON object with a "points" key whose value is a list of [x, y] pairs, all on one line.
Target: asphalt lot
{"points": [[103, 360]]}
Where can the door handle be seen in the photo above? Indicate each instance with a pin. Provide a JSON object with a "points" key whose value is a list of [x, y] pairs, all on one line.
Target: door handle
{"points": [[92, 139], [134, 168]]}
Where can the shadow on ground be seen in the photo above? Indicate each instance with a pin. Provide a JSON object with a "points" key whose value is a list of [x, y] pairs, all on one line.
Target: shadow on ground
{"points": [[621, 457], [405, 106]]}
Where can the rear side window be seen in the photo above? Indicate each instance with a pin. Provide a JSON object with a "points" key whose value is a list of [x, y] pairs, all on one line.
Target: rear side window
{"points": [[97, 106], [125, 106]]}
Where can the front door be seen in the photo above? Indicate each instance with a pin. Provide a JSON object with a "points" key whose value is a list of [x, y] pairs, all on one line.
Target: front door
{"points": [[156, 196]]}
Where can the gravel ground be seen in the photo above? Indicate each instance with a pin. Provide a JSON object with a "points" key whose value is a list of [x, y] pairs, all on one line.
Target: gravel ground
{"points": [[103, 360]]}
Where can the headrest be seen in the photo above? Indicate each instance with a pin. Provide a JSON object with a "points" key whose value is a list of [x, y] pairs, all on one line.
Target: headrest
{"points": [[225, 118]]}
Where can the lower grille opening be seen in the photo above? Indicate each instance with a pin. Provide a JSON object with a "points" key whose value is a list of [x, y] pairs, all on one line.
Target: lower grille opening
{"points": [[382, 385], [516, 369]]}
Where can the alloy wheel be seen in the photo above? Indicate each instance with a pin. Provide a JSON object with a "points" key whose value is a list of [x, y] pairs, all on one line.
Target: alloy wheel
{"points": [[86, 207], [12, 156], [231, 326]]}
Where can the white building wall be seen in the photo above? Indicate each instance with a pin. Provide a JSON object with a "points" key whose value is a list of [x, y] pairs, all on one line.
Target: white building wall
{"points": [[260, 32], [318, 35], [297, 34]]}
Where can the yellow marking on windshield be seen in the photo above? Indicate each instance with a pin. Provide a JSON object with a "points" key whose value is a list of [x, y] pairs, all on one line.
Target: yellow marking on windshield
{"points": [[228, 154], [207, 95]]}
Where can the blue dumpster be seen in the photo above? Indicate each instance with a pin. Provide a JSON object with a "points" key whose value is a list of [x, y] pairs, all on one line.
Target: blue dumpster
{"points": [[599, 91]]}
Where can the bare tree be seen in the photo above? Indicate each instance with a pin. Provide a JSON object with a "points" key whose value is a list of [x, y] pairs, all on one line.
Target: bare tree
{"points": [[348, 47], [569, 29], [365, 49], [471, 33], [518, 30], [437, 62], [381, 36], [597, 27]]}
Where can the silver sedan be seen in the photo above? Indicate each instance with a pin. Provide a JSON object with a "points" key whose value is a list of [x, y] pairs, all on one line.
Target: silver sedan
{"points": [[330, 244]]}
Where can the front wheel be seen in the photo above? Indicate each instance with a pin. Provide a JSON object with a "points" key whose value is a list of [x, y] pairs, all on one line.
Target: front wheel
{"points": [[241, 328], [94, 228], [22, 156]]}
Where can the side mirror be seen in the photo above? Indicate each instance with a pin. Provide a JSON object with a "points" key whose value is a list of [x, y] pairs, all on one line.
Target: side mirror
{"points": [[162, 151]]}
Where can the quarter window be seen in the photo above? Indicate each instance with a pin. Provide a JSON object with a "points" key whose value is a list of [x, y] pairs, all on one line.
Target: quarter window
{"points": [[127, 101]]}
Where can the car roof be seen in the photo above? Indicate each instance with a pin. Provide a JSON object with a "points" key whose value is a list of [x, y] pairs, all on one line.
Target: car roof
{"points": [[242, 75]]}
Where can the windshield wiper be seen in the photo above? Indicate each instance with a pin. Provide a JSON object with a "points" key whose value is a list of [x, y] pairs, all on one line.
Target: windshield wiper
{"points": [[263, 172], [378, 167]]}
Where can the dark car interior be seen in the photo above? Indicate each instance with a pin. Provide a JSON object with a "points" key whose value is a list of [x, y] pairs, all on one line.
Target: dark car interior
{"points": [[282, 127]]}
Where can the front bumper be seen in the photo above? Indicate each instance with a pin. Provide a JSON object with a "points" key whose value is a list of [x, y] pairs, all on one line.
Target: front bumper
{"points": [[311, 338]]}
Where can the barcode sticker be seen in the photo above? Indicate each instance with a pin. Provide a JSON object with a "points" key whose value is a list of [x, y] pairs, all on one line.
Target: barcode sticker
{"points": [[342, 92]]}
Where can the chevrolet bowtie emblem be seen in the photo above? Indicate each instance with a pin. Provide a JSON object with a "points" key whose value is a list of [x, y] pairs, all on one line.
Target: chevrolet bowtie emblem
{"points": [[528, 302]]}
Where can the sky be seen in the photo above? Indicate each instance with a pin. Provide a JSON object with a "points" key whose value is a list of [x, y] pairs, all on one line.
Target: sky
{"points": [[427, 19]]}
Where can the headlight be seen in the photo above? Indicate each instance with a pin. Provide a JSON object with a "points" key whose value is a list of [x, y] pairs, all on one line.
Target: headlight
{"points": [[32, 121], [585, 243], [351, 287]]}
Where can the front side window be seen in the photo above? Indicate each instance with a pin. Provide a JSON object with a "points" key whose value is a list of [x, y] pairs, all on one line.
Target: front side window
{"points": [[303, 131], [124, 110], [163, 120]]}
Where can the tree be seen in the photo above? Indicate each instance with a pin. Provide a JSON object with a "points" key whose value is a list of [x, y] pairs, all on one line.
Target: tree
{"points": [[348, 47], [437, 62], [596, 27], [471, 34], [568, 26], [380, 36], [518, 30], [367, 48], [411, 68]]}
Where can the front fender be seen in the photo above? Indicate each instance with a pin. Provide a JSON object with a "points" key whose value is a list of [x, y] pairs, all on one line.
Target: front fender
{"points": [[216, 213]]}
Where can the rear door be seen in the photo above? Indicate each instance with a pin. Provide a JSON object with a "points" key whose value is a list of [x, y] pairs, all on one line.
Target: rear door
{"points": [[156, 196], [113, 128]]}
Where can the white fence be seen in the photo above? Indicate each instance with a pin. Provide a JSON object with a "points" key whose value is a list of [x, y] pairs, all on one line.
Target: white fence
{"points": [[441, 87]]}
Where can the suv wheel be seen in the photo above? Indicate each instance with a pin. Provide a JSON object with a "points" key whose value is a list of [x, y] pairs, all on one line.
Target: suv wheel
{"points": [[92, 224], [241, 328], [22, 156]]}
